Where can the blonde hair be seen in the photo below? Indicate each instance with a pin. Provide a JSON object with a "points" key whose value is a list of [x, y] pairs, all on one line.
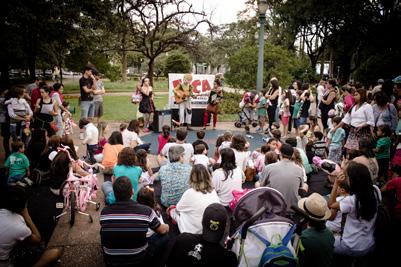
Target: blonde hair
{"points": [[200, 180]]}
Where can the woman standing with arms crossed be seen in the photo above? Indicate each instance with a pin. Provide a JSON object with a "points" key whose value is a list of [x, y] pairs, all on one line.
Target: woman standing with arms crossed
{"points": [[146, 106], [215, 97], [327, 102]]}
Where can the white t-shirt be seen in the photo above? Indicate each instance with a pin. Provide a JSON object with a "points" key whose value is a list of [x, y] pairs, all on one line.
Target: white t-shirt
{"points": [[129, 137], [335, 225], [358, 233], [359, 117], [320, 91], [201, 159], [241, 158], [13, 229], [224, 188], [190, 210], [188, 150]]}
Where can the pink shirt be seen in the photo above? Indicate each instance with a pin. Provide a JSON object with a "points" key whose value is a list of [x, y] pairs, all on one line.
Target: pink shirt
{"points": [[349, 101], [162, 141]]}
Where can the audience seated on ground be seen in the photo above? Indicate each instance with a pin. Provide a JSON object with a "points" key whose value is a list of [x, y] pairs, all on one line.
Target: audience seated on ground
{"points": [[188, 148]]}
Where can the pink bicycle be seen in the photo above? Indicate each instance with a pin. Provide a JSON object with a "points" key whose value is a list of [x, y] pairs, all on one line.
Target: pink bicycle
{"points": [[79, 191]]}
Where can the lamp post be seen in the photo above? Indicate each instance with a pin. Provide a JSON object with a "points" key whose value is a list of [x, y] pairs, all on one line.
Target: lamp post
{"points": [[262, 8]]}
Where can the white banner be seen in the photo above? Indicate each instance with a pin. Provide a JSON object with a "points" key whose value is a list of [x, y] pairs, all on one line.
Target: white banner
{"points": [[202, 84]]}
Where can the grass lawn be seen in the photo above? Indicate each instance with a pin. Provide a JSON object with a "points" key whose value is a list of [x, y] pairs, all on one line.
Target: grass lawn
{"points": [[71, 85], [120, 108]]}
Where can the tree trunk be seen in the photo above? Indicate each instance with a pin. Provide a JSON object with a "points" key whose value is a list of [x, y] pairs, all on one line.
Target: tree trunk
{"points": [[61, 71], [124, 58], [150, 70], [321, 67], [5, 76]]}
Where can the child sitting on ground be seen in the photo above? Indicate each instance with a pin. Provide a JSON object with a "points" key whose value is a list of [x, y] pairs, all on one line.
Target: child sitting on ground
{"points": [[200, 135], [123, 126], [162, 139], [319, 145], [258, 157], [227, 136], [301, 138], [334, 222], [147, 176], [17, 165], [200, 156], [102, 127]]}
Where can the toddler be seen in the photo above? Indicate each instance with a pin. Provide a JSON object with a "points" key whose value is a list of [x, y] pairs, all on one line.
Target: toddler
{"points": [[17, 165], [319, 145], [147, 176], [102, 127], [336, 140], [262, 110], [334, 225], [200, 135], [382, 151], [258, 157], [91, 138]]}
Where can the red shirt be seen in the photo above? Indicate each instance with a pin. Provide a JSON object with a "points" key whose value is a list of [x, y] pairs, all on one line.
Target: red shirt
{"points": [[395, 184], [162, 141], [35, 95]]}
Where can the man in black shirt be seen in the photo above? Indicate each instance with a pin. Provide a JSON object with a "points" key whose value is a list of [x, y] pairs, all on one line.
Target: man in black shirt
{"points": [[204, 249], [86, 85]]}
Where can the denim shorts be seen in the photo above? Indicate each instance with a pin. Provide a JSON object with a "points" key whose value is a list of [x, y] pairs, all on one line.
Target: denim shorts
{"points": [[298, 122], [87, 109]]}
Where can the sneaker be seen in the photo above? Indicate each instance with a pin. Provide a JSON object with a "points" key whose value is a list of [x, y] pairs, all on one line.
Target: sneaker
{"points": [[28, 181], [81, 136]]}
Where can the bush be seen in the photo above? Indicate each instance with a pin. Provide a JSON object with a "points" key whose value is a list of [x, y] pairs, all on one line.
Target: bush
{"points": [[113, 72], [230, 104], [278, 62]]}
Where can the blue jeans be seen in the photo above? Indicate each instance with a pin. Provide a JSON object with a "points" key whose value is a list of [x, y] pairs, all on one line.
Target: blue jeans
{"points": [[298, 122], [90, 153], [16, 178], [87, 109], [107, 188]]}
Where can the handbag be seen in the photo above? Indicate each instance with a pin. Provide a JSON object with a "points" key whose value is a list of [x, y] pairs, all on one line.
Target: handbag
{"points": [[136, 97]]}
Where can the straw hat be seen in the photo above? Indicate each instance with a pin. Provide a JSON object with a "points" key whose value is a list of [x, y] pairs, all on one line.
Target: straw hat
{"points": [[315, 206], [303, 128]]}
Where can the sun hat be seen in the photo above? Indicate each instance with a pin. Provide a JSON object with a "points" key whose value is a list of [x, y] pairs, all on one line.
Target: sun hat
{"points": [[315, 206], [214, 223]]}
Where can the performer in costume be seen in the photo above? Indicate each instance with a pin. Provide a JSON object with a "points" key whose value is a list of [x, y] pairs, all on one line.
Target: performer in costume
{"points": [[182, 94]]}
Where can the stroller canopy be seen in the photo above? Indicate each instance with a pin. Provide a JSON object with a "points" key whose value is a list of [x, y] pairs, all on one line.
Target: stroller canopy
{"points": [[257, 198]]}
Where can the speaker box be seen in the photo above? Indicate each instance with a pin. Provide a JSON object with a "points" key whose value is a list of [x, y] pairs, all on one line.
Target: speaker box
{"points": [[161, 118]]}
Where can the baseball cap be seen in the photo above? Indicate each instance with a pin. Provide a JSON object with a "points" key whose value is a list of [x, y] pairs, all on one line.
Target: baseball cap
{"points": [[214, 223], [287, 150]]}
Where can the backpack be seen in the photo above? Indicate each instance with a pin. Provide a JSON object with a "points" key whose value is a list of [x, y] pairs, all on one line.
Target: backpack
{"points": [[383, 222], [278, 254]]}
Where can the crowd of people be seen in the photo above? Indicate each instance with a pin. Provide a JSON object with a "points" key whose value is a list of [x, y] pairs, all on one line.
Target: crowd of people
{"points": [[180, 213]]}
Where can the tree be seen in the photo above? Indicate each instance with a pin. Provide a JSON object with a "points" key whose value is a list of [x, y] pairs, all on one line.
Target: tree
{"points": [[279, 62], [160, 26], [177, 62]]}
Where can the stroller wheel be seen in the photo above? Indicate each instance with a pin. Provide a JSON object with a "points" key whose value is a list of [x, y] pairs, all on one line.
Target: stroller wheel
{"points": [[254, 124], [237, 124]]}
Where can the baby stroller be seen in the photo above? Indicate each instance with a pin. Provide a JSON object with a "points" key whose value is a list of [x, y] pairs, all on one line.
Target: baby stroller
{"points": [[245, 119], [259, 220]]}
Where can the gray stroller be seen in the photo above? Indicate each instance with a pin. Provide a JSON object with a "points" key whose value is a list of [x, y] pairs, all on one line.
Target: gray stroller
{"points": [[259, 220]]}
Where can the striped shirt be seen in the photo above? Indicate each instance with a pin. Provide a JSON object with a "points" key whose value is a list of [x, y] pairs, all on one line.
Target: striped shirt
{"points": [[123, 229]]}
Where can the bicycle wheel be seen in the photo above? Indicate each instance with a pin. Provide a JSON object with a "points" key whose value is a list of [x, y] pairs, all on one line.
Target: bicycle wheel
{"points": [[72, 208]]}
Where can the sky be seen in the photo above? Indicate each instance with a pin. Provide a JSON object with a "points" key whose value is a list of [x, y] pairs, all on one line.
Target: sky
{"points": [[223, 11]]}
